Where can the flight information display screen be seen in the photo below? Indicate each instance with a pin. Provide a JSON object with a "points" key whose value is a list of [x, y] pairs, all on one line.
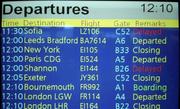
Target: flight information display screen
{"points": [[90, 55]]}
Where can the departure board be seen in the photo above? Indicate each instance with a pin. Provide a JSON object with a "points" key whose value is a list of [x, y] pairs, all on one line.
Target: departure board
{"points": [[90, 55]]}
